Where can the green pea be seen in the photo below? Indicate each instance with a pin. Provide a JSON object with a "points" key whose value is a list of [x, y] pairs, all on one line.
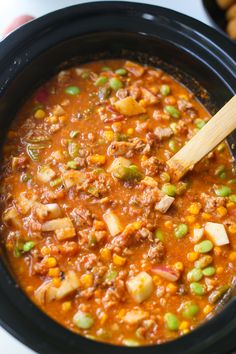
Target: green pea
{"points": [[106, 68], [209, 271], [197, 288], [121, 72], [73, 149], [169, 189], [73, 165], [203, 247], [200, 123], [181, 230], [165, 90], [224, 191], [222, 175], [173, 126], [25, 177], [173, 146], [165, 177], [28, 246], [171, 110], [194, 275], [203, 262], [115, 83], [72, 90], [189, 309], [83, 320], [232, 198], [85, 75], [171, 321], [74, 134], [56, 182], [101, 80], [159, 235], [111, 275]]}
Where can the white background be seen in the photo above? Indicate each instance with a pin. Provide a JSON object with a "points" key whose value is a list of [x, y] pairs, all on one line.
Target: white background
{"points": [[9, 9]]}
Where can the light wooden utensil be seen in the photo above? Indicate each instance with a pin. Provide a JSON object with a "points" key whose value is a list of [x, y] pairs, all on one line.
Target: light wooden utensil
{"points": [[216, 130]]}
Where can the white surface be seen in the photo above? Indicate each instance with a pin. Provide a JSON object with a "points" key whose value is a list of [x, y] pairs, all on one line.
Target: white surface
{"points": [[9, 9]]}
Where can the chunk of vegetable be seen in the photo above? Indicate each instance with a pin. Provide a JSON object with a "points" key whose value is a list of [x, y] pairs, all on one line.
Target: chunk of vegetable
{"points": [[47, 211], [113, 223], [166, 272], [218, 293], [140, 287], [68, 285], [129, 107], [83, 320], [136, 69], [189, 309], [12, 218], [164, 204], [203, 247], [63, 228], [73, 178], [135, 316], [45, 174], [216, 232], [117, 163], [171, 321], [197, 235]]}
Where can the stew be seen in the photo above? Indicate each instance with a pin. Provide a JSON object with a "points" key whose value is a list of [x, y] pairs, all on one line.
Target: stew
{"points": [[96, 231]]}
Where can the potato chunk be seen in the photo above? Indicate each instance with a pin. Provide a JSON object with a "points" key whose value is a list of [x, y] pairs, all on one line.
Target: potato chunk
{"points": [[217, 234], [129, 107], [45, 174], [12, 218], [164, 204], [140, 287], [63, 228], [113, 223], [135, 316], [68, 285]]}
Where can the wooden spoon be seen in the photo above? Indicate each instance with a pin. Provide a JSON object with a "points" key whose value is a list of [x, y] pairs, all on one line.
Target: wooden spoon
{"points": [[216, 130]]}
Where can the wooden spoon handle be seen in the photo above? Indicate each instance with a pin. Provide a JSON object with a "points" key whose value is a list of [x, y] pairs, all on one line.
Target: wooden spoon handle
{"points": [[218, 127]]}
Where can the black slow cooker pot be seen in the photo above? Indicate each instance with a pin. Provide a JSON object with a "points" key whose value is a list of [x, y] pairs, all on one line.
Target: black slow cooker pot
{"points": [[195, 54]]}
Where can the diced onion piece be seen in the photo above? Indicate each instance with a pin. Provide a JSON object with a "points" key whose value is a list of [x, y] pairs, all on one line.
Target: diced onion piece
{"points": [[47, 211], [73, 178], [166, 272], [216, 232], [63, 228], [12, 218], [164, 204], [197, 235], [68, 285], [45, 293], [113, 223], [45, 174], [129, 107], [24, 204], [140, 287], [135, 316]]}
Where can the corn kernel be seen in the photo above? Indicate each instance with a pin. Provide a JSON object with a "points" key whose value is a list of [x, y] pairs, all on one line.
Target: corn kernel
{"points": [[171, 288], [29, 289], [39, 114], [97, 159], [217, 250], [156, 279], [130, 131], [232, 228], [185, 331], [207, 309], [192, 256], [143, 102], [105, 255], [53, 272], [45, 250], [62, 119], [230, 204], [121, 313], [232, 256], [197, 225], [179, 266], [66, 306], [103, 318], [221, 211], [98, 225], [190, 219], [108, 135], [219, 270], [56, 282], [194, 208], [86, 280], [137, 225], [206, 216], [117, 260], [184, 325], [50, 262], [169, 225], [144, 158]]}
